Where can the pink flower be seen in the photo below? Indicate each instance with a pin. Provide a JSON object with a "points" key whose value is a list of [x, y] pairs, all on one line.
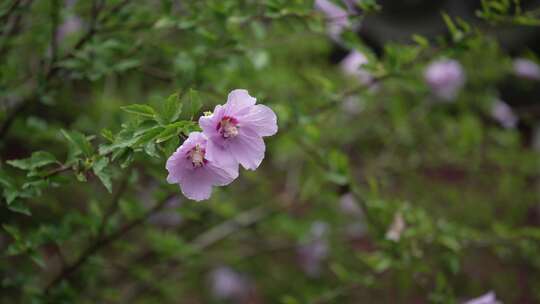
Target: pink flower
{"points": [[445, 78], [503, 113], [191, 169], [352, 65], [312, 254], [338, 18], [526, 68], [236, 129], [488, 298], [229, 284]]}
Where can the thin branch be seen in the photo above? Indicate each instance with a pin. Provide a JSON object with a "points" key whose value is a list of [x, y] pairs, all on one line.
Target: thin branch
{"points": [[11, 28], [113, 206], [10, 11], [223, 230], [55, 19], [53, 69], [102, 243]]}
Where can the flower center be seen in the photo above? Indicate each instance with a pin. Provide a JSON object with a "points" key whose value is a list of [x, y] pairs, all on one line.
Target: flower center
{"points": [[196, 155], [227, 127]]}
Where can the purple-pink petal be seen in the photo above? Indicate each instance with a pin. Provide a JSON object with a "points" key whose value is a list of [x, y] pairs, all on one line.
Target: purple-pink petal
{"points": [[261, 119], [235, 131], [197, 176], [238, 103], [248, 149]]}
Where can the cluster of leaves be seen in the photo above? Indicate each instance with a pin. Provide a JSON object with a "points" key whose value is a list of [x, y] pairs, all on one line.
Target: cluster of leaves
{"points": [[507, 12], [154, 132]]}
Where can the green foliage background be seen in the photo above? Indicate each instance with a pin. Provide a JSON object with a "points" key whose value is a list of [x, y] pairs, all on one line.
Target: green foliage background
{"points": [[88, 122]]}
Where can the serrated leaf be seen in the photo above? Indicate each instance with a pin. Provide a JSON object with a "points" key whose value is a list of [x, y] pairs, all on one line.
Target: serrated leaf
{"points": [[10, 194], [19, 208], [37, 258], [171, 109], [41, 158], [37, 160], [169, 132], [100, 170], [149, 136], [13, 231], [107, 134], [140, 109], [79, 142], [192, 103]]}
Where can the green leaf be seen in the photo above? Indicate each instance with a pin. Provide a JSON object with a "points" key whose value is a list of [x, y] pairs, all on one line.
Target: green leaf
{"points": [[19, 208], [23, 164], [171, 109], [169, 132], [420, 40], [79, 142], [10, 194], [37, 160], [41, 158], [101, 171], [107, 134], [13, 231], [37, 258], [140, 109], [192, 103]]}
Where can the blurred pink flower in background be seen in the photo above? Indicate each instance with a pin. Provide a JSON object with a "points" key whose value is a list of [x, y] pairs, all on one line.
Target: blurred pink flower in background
{"points": [[352, 66], [227, 284], [190, 168], [349, 206], [312, 254], [488, 298], [71, 25], [236, 129], [445, 77], [337, 18], [168, 216], [526, 68], [503, 114]]}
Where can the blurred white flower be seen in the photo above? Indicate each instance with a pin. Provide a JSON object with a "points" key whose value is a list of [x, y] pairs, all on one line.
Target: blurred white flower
{"points": [[488, 298], [445, 77], [526, 68], [503, 113], [352, 105], [396, 228]]}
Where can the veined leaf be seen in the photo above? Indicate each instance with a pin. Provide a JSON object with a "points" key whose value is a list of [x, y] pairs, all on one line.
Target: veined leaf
{"points": [[140, 109]]}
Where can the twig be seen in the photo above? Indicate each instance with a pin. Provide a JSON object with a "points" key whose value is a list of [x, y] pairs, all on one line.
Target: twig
{"points": [[330, 296], [223, 230], [113, 206], [55, 16], [53, 69], [10, 29], [103, 242], [10, 11]]}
